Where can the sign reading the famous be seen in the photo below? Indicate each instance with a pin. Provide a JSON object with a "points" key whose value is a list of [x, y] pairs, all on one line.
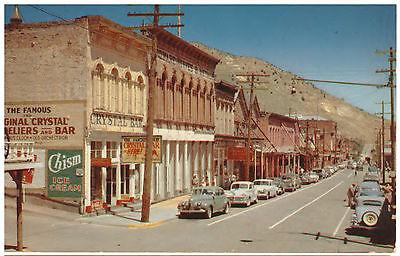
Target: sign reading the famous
{"points": [[45, 124], [134, 148], [62, 169]]}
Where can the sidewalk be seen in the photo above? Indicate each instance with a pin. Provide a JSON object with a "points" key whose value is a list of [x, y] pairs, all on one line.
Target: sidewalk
{"points": [[159, 213]]}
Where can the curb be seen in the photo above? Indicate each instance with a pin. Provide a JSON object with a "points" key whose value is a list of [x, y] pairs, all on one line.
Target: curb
{"points": [[139, 225]]}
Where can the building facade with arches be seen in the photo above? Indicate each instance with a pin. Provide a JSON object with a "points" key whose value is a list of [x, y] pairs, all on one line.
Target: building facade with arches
{"points": [[184, 116], [88, 88]]}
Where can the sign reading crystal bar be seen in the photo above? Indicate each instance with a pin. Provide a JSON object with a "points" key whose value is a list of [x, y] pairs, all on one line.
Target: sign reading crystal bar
{"points": [[134, 148]]}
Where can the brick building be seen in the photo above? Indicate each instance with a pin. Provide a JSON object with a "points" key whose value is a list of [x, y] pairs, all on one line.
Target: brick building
{"points": [[323, 140], [87, 91]]}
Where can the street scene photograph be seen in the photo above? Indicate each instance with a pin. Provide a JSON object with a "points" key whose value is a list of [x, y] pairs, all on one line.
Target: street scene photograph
{"points": [[223, 129]]}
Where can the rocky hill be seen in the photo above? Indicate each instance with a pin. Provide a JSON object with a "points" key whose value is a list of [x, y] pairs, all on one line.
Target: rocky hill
{"points": [[276, 96]]}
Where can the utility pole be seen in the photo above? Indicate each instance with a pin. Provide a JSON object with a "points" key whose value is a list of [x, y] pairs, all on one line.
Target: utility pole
{"points": [[307, 139], [391, 85], [249, 118], [150, 103], [383, 142], [335, 159], [179, 21], [323, 148]]}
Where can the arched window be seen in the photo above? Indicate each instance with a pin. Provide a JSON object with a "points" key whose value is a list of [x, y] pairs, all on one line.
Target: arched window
{"points": [[128, 76], [127, 96], [98, 87], [164, 78], [140, 80], [99, 69], [114, 90], [114, 74]]}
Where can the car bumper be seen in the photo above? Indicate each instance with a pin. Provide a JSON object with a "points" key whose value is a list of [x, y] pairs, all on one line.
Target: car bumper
{"points": [[263, 195], [289, 189], [191, 211], [238, 200]]}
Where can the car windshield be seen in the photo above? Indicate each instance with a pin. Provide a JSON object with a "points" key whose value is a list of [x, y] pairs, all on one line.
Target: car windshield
{"points": [[261, 182], [239, 185], [200, 191]]}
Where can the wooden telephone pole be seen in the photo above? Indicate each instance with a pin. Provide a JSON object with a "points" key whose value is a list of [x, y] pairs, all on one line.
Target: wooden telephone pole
{"points": [[392, 86], [249, 118], [382, 139], [152, 74]]}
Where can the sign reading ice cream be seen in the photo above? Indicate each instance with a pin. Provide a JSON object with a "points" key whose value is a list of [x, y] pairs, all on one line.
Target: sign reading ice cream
{"points": [[46, 125], [63, 173]]}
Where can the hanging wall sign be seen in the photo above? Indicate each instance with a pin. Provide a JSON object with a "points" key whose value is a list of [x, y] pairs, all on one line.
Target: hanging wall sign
{"points": [[64, 168], [134, 148]]}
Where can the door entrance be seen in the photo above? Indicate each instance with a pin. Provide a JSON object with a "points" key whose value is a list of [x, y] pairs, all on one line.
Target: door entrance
{"points": [[111, 185], [96, 191]]}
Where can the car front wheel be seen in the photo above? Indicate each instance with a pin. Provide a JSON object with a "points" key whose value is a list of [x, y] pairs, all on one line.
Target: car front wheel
{"points": [[255, 200], [226, 209], [248, 202]]}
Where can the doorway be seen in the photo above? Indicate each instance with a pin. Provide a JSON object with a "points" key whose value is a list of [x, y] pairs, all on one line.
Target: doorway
{"points": [[111, 185]]}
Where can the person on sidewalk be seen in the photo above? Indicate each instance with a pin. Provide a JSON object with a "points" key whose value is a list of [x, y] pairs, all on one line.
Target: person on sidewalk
{"points": [[350, 195]]}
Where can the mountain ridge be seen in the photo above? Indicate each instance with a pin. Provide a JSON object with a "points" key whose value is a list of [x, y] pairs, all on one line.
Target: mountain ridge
{"points": [[276, 96]]}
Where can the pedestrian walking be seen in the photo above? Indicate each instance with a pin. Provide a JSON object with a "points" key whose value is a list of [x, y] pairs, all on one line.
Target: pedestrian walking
{"points": [[350, 195]]}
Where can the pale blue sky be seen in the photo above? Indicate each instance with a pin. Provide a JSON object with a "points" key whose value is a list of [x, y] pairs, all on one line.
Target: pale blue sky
{"points": [[329, 42]]}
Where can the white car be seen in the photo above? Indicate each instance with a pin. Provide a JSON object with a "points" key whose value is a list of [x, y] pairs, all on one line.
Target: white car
{"points": [[242, 192], [265, 188], [314, 177]]}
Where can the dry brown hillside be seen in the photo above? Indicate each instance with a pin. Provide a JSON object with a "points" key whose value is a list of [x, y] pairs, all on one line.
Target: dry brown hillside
{"points": [[275, 96]]}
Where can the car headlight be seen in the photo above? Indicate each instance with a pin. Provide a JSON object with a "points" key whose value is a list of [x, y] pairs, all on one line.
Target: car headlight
{"points": [[370, 219]]}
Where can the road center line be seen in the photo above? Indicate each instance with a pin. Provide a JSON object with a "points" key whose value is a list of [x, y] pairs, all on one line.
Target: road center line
{"points": [[340, 222], [349, 175], [269, 202], [304, 206]]}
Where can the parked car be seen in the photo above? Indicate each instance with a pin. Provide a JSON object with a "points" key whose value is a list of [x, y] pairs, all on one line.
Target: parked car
{"points": [[314, 177], [297, 180], [371, 177], [242, 192], [280, 185], [204, 200], [322, 174], [288, 183], [305, 178], [265, 188]]}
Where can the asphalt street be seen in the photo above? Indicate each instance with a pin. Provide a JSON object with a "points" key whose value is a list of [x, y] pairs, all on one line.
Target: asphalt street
{"points": [[288, 223]]}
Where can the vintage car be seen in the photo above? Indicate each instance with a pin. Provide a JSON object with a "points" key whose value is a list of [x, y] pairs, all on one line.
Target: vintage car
{"points": [[314, 177], [280, 185], [204, 200], [242, 192], [265, 188], [305, 178], [288, 183], [369, 176], [323, 173], [367, 212]]}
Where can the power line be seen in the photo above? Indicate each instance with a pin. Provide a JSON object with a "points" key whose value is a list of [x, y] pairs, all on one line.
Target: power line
{"points": [[82, 27]]}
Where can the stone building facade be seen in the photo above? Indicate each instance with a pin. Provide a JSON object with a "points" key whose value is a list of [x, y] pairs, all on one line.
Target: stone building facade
{"points": [[87, 81], [184, 116]]}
